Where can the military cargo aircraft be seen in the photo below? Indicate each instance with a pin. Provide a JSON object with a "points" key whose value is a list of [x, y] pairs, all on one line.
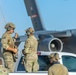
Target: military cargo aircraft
{"points": [[48, 40]]}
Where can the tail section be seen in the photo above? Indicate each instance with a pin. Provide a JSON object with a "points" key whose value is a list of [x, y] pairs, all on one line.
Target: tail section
{"points": [[32, 11]]}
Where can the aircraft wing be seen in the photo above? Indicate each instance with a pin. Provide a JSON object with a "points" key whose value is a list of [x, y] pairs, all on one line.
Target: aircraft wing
{"points": [[50, 40], [61, 39], [62, 34], [58, 34]]}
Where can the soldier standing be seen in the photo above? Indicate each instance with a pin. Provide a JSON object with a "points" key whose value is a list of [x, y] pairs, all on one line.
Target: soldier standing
{"points": [[30, 52], [56, 68], [3, 70], [9, 48]]}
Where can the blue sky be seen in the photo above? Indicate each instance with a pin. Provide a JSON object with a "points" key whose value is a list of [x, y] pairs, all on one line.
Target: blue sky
{"points": [[55, 14]]}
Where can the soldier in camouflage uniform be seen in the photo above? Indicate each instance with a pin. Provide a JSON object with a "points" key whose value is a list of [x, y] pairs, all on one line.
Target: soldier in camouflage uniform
{"points": [[56, 68], [9, 48], [3, 70], [30, 52]]}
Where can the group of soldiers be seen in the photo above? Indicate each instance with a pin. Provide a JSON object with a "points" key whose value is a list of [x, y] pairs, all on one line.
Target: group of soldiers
{"points": [[31, 64]]}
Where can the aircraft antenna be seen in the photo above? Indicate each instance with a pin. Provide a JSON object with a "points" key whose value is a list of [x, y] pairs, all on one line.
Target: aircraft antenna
{"points": [[3, 14]]}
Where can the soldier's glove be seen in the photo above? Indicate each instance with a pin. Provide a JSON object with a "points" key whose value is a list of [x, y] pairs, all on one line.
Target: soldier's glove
{"points": [[16, 55], [23, 52]]}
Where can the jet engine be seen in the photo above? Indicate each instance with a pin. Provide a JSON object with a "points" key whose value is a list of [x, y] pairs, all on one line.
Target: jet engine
{"points": [[51, 44]]}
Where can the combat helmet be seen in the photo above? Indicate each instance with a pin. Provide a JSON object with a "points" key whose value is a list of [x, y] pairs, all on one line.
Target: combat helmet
{"points": [[55, 56], [30, 30], [10, 25]]}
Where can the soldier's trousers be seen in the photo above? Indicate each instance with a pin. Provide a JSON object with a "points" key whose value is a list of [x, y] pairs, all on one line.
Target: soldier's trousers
{"points": [[8, 61], [31, 65]]}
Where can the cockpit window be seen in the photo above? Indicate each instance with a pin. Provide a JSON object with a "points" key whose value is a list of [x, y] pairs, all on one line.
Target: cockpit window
{"points": [[70, 63]]}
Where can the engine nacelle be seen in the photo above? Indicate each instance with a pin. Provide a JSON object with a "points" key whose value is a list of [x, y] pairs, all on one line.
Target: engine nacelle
{"points": [[51, 44]]}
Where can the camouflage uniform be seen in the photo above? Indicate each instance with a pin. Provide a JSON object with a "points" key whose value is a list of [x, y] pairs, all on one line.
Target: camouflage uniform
{"points": [[56, 68], [3, 71], [30, 54], [7, 41]]}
